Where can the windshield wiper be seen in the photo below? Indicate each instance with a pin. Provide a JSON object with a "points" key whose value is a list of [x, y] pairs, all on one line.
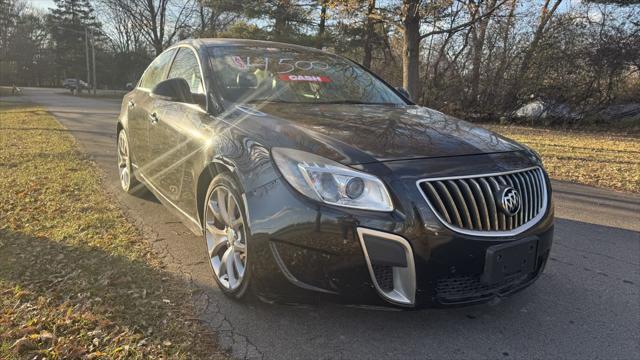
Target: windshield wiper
{"points": [[336, 102], [253, 101], [354, 102]]}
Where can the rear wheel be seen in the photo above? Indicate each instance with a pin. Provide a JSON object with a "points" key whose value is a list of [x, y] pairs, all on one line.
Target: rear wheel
{"points": [[128, 181], [226, 236]]}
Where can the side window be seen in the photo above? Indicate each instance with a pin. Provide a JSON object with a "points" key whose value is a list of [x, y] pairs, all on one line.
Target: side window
{"points": [[156, 71], [185, 66]]}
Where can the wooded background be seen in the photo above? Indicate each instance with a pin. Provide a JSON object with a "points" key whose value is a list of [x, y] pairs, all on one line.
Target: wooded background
{"points": [[480, 59]]}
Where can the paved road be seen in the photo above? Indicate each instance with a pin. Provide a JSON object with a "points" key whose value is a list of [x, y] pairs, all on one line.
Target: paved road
{"points": [[586, 304]]}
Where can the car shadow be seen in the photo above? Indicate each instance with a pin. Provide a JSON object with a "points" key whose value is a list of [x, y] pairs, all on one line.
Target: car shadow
{"points": [[141, 192]]}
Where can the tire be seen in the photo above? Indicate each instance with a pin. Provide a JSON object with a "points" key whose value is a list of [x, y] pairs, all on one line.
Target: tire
{"points": [[226, 236], [128, 181]]}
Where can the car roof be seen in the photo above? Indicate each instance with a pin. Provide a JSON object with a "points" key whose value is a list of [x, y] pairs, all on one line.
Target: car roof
{"points": [[213, 42]]}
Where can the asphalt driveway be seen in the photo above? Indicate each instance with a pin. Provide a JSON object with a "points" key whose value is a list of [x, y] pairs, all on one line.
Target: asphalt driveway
{"points": [[585, 305]]}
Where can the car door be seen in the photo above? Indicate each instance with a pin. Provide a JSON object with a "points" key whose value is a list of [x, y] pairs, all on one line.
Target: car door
{"points": [[139, 105], [173, 136]]}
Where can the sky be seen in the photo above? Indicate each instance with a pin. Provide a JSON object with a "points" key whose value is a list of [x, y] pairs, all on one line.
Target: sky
{"points": [[42, 4]]}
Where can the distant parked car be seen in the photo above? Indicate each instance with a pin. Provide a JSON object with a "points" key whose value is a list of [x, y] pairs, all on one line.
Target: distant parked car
{"points": [[72, 84]]}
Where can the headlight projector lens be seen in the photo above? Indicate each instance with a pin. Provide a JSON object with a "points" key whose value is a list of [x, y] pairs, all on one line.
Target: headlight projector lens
{"points": [[354, 188]]}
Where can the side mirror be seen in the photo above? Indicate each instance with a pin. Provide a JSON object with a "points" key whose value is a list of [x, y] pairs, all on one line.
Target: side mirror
{"points": [[129, 86], [176, 90], [403, 92]]}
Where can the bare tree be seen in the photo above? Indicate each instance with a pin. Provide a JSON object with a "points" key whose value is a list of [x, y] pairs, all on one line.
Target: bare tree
{"points": [[369, 33], [322, 24], [214, 16], [411, 16], [122, 34], [158, 21], [546, 14], [478, 36]]}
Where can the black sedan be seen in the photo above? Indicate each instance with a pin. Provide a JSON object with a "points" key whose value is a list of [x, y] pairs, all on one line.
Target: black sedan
{"points": [[309, 177]]}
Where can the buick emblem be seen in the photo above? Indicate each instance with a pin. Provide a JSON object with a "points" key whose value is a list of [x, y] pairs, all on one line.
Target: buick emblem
{"points": [[509, 200]]}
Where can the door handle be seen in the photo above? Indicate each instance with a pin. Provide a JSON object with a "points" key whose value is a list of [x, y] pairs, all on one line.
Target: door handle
{"points": [[131, 104], [154, 118]]}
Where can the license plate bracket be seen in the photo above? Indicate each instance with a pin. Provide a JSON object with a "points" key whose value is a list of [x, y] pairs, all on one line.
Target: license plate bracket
{"points": [[509, 260]]}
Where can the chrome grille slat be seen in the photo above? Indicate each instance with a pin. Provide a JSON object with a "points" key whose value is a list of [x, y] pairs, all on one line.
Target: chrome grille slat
{"points": [[531, 192], [540, 185], [453, 209], [472, 207], [481, 204], [529, 204], [488, 195], [525, 196], [462, 204], [536, 194], [469, 204], [536, 190], [506, 221], [515, 183], [441, 207]]}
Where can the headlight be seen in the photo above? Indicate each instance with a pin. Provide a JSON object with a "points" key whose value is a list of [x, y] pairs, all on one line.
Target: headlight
{"points": [[330, 182]]}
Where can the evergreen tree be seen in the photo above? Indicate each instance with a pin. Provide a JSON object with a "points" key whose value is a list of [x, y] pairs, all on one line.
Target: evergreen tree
{"points": [[7, 25], [68, 22], [288, 17]]}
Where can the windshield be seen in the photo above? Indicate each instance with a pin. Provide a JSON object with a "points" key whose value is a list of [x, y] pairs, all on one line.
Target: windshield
{"points": [[256, 74]]}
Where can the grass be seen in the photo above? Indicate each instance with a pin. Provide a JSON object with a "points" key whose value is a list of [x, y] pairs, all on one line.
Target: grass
{"points": [[599, 159], [77, 280]]}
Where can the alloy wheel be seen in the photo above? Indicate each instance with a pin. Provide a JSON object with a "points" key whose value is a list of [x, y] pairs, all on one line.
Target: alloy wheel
{"points": [[124, 162], [226, 239]]}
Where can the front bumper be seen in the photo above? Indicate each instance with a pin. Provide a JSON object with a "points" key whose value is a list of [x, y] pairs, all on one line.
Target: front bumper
{"points": [[307, 251]]}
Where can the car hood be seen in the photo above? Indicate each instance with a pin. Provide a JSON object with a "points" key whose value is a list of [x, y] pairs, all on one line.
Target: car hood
{"points": [[359, 134]]}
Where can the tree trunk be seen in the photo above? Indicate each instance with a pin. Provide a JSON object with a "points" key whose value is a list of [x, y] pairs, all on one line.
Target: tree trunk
{"points": [[479, 36], [203, 20], [498, 79], [545, 16], [368, 36], [157, 46], [411, 48], [280, 25], [322, 25]]}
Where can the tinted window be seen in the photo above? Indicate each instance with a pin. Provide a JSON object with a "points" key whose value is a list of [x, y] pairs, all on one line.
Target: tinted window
{"points": [[185, 66], [294, 75], [156, 71]]}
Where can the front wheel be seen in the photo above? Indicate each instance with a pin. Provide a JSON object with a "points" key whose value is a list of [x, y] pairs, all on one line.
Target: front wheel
{"points": [[225, 233]]}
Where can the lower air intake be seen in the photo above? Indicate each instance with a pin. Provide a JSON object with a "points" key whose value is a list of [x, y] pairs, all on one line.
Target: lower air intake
{"points": [[384, 276]]}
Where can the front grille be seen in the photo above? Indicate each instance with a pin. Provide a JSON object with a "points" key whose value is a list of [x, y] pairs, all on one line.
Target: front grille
{"points": [[470, 204]]}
